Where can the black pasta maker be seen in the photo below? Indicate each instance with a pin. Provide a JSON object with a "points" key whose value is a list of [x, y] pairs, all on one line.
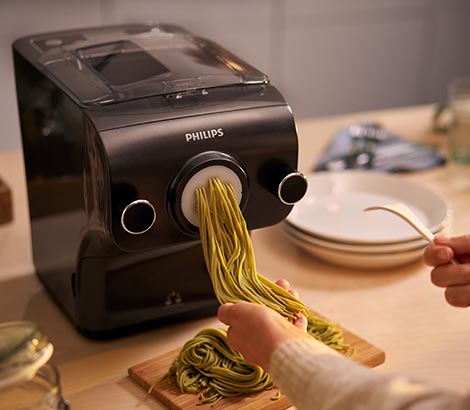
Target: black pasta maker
{"points": [[119, 126]]}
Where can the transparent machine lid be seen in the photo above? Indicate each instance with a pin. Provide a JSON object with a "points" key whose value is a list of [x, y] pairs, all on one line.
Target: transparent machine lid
{"points": [[114, 64]]}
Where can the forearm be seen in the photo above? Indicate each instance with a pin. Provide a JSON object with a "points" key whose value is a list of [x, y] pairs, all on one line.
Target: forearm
{"points": [[314, 377]]}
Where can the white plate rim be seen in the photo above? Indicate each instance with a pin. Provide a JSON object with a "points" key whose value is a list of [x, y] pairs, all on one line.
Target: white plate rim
{"points": [[355, 248], [345, 177], [359, 261]]}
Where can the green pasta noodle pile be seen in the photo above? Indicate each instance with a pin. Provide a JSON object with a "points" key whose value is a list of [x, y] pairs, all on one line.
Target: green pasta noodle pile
{"points": [[209, 367], [206, 365]]}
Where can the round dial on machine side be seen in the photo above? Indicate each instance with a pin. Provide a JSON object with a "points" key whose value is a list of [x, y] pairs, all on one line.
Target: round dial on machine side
{"points": [[138, 217], [292, 186]]}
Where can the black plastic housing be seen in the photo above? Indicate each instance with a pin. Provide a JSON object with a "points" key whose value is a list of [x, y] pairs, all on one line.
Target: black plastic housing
{"points": [[86, 160]]}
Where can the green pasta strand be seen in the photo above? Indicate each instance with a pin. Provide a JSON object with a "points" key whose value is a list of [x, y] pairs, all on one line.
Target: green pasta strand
{"points": [[206, 365], [328, 333], [229, 255]]}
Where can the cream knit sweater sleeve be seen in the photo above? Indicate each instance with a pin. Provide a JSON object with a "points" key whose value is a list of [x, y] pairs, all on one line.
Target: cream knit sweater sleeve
{"points": [[314, 377]]}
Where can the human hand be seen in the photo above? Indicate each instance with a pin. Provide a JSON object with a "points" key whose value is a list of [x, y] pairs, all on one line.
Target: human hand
{"points": [[455, 278], [256, 331], [301, 322]]}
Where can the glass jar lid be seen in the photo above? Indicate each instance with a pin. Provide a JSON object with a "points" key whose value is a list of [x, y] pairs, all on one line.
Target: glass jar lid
{"points": [[24, 349]]}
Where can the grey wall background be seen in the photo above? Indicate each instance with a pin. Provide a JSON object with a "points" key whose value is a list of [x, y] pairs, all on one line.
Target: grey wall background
{"points": [[326, 56]]}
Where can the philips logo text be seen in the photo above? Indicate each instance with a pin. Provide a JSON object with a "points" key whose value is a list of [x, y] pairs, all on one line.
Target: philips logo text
{"points": [[204, 135]]}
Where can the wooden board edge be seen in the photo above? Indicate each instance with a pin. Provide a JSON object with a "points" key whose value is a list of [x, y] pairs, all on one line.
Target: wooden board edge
{"points": [[173, 399]]}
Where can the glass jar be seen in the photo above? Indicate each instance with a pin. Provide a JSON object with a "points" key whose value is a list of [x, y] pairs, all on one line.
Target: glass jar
{"points": [[27, 380], [459, 133]]}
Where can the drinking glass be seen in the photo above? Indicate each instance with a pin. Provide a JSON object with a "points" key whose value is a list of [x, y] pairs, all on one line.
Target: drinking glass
{"points": [[458, 99]]}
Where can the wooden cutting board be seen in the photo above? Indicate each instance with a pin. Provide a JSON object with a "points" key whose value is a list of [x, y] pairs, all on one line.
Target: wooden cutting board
{"points": [[148, 372]]}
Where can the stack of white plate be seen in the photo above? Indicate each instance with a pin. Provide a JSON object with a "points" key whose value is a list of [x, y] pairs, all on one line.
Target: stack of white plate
{"points": [[329, 222]]}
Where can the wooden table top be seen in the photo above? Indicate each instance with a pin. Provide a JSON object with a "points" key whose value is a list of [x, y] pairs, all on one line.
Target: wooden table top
{"points": [[398, 310]]}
